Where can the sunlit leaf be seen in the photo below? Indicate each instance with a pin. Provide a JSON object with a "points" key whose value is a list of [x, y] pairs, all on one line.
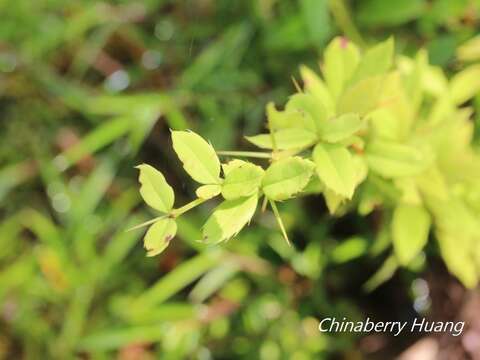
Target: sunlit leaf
{"points": [[383, 124], [286, 177], [333, 200], [410, 227], [208, 191], [341, 58], [336, 168], [232, 164], [376, 61], [315, 86], [340, 128], [465, 84], [311, 108], [291, 117], [457, 232], [229, 218], [198, 157], [243, 180], [470, 50], [391, 159], [155, 190], [362, 97], [285, 139], [159, 235]]}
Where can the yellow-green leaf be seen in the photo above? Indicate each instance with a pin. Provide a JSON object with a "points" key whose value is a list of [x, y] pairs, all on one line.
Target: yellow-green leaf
{"points": [[341, 58], [314, 113], [362, 97], [229, 218], [243, 180], [391, 159], [159, 235], [198, 157], [376, 61], [410, 227], [208, 191], [286, 177], [285, 139], [470, 50], [465, 84], [289, 118], [336, 168], [315, 86], [340, 128], [155, 190], [232, 164]]}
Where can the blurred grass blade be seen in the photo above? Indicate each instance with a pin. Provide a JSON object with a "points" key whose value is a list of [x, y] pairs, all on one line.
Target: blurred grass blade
{"points": [[98, 138], [212, 281], [176, 280]]}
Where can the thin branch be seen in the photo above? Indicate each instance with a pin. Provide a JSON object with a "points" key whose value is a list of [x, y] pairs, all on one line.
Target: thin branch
{"points": [[252, 154], [279, 220], [151, 221]]}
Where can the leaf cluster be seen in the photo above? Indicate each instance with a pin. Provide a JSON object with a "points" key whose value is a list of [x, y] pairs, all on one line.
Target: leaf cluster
{"points": [[374, 132]]}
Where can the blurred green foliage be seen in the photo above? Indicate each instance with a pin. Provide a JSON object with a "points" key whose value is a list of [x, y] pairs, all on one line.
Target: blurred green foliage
{"points": [[89, 89]]}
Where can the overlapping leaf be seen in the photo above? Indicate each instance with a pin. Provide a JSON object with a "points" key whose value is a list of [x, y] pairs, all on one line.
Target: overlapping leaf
{"points": [[410, 227], [285, 139], [155, 190], [229, 218], [243, 180], [198, 157], [159, 235], [336, 168], [286, 177]]}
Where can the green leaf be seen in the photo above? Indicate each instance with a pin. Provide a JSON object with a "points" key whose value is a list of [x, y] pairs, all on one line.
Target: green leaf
{"points": [[285, 139], [349, 249], [336, 168], [384, 13], [314, 113], [393, 160], [155, 190], [470, 50], [286, 177], [232, 164], [340, 128], [317, 20], [159, 235], [243, 180], [333, 200], [383, 124], [465, 84], [229, 218], [362, 97], [341, 58], [457, 232], [288, 118], [208, 191], [410, 227], [276, 213], [315, 86], [382, 275], [198, 157], [376, 61]]}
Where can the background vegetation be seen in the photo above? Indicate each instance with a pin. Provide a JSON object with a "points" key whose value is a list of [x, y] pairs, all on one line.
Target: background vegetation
{"points": [[89, 89]]}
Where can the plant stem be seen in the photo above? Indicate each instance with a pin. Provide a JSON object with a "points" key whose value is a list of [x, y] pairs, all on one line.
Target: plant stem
{"points": [[264, 204], [151, 221], [186, 207], [343, 18], [279, 220], [253, 154]]}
